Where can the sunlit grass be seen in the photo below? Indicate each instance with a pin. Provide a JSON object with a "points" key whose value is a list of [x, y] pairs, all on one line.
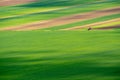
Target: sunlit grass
{"points": [[107, 24], [61, 55], [24, 11]]}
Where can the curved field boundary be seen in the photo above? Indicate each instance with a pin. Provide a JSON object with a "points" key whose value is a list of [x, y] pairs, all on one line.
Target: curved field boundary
{"points": [[93, 24], [14, 2], [66, 20]]}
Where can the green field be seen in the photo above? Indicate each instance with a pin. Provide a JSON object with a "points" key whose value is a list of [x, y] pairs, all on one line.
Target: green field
{"points": [[60, 55], [46, 15], [53, 54]]}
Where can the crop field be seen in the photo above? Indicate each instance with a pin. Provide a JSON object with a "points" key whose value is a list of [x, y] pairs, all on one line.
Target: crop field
{"points": [[59, 40]]}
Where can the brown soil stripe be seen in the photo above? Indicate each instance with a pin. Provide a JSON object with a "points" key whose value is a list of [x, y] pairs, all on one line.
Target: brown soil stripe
{"points": [[65, 20], [93, 24], [14, 2], [108, 27]]}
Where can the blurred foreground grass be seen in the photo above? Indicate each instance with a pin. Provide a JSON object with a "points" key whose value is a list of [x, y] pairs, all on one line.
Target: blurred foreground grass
{"points": [[60, 55]]}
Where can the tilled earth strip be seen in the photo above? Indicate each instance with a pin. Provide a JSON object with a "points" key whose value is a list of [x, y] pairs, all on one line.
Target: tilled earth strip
{"points": [[65, 20], [92, 25], [108, 27], [14, 2]]}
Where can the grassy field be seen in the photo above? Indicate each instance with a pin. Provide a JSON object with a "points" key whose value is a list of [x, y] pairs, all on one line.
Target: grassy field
{"points": [[60, 55], [52, 54]]}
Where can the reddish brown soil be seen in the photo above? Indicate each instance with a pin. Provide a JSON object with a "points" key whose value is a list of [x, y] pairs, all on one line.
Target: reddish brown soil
{"points": [[14, 2], [65, 20]]}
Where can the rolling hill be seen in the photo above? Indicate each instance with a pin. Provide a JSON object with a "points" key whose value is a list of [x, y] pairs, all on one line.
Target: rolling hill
{"points": [[49, 40]]}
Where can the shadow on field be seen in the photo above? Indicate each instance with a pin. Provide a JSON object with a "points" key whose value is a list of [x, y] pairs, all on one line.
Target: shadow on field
{"points": [[57, 3], [30, 52], [75, 69], [82, 71], [26, 56], [97, 66]]}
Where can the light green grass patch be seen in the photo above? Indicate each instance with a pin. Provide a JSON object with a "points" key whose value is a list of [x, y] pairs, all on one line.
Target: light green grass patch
{"points": [[61, 55], [24, 11], [107, 25]]}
